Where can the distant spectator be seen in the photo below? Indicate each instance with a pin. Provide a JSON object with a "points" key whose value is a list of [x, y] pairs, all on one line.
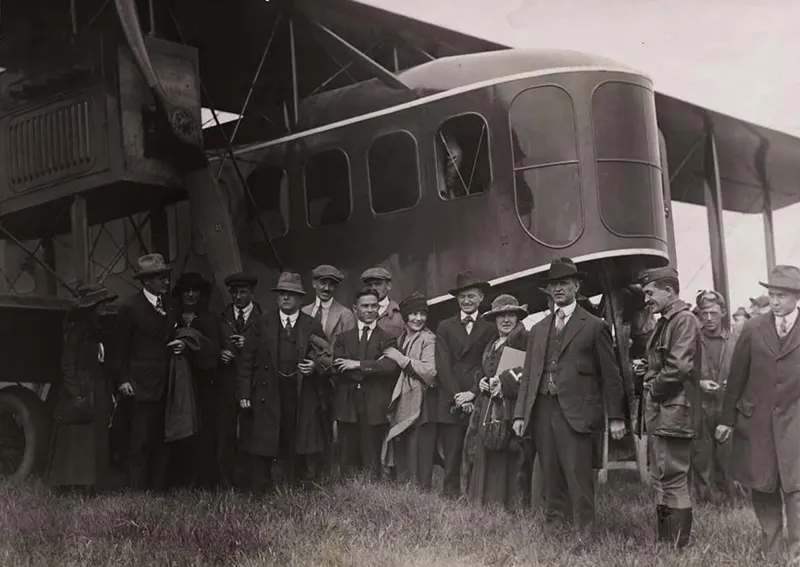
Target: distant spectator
{"points": [[759, 305], [739, 317]]}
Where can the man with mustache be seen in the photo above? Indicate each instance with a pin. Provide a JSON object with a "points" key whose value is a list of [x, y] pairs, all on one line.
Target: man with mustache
{"points": [[671, 378]]}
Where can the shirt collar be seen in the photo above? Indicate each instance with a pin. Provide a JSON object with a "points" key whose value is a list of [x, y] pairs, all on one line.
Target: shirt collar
{"points": [[246, 311], [293, 318], [324, 304], [673, 308], [152, 298], [473, 315], [383, 305], [371, 326], [790, 318], [567, 309]]}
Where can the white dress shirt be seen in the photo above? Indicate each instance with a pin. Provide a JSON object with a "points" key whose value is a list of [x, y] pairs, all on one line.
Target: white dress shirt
{"points": [[568, 311], [245, 312], [791, 319], [293, 318], [468, 326], [371, 328], [153, 299], [326, 309]]}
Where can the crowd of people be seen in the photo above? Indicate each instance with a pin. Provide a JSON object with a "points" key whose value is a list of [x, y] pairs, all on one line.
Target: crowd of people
{"points": [[313, 390]]}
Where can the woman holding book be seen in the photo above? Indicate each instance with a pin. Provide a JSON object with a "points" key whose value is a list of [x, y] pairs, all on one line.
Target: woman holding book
{"points": [[497, 453]]}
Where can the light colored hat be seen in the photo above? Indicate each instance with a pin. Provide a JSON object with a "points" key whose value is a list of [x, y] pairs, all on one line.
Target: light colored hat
{"points": [[506, 303], [151, 265], [291, 282], [326, 271]]}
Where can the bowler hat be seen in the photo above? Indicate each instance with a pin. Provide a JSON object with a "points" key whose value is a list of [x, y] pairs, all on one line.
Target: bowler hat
{"points": [[326, 271], [90, 295], [562, 268], [151, 265], [783, 277], [467, 280], [506, 303], [191, 280], [376, 273], [241, 280], [291, 282]]}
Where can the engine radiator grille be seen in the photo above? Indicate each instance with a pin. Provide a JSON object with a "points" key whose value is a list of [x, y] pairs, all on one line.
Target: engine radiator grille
{"points": [[53, 143]]}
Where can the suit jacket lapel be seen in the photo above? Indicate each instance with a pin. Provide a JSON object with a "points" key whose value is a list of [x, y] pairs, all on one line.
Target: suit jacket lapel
{"points": [[478, 328], [792, 340], [574, 326], [334, 313], [770, 335]]}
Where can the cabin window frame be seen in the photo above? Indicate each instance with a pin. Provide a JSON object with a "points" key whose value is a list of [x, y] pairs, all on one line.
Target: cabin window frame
{"points": [[576, 161], [418, 176], [349, 186], [488, 153], [598, 160], [252, 224]]}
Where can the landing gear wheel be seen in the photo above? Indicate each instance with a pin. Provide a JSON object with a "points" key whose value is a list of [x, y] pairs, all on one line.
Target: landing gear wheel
{"points": [[24, 433]]}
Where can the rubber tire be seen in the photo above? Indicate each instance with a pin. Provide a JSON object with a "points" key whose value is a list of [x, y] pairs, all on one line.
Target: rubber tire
{"points": [[36, 425]]}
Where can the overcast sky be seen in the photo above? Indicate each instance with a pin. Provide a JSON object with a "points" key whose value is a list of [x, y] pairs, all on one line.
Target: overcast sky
{"points": [[734, 56]]}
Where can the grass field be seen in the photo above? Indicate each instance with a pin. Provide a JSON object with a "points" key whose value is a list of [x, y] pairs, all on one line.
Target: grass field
{"points": [[353, 524]]}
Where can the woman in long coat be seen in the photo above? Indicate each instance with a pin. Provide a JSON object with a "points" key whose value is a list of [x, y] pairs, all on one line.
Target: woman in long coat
{"points": [[495, 477], [410, 445], [79, 454]]}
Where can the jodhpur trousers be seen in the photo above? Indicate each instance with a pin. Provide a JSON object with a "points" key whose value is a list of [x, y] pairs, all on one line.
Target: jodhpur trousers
{"points": [[670, 460]]}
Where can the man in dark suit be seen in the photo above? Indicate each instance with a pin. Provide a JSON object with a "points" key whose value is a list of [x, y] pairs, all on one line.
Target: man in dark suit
{"points": [[278, 381], [570, 377], [364, 385], [145, 326], [460, 341], [238, 321]]}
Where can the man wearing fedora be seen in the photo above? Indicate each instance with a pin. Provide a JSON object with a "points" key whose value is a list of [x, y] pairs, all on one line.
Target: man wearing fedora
{"points": [[280, 379], [761, 411], [569, 382], [671, 379], [389, 317], [144, 347], [238, 321], [460, 342]]}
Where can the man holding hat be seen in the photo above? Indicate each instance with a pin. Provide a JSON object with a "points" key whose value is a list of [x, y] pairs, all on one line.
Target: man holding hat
{"points": [[238, 322], [389, 317], [569, 382], [460, 342], [334, 317], [671, 381], [145, 326], [761, 411], [279, 382]]}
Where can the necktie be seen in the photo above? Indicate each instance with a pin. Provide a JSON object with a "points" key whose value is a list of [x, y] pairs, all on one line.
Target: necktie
{"points": [[560, 316], [362, 343], [160, 306], [468, 321], [783, 328], [318, 315], [240, 320], [288, 326]]}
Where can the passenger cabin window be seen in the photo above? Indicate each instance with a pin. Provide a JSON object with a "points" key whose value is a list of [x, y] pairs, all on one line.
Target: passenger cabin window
{"points": [[327, 182], [547, 182], [393, 172], [462, 148], [270, 207], [628, 164]]}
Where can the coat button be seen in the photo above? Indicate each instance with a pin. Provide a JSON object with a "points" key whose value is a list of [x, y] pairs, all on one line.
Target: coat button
{"points": [[263, 401], [264, 384]]}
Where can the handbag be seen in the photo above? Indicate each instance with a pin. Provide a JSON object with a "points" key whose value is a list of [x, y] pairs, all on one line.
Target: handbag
{"points": [[496, 432]]}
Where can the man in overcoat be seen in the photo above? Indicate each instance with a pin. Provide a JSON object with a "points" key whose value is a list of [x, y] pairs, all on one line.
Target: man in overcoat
{"points": [[364, 382], [389, 317], [762, 412], [670, 395], [460, 342], [569, 381], [145, 326], [278, 381], [238, 322]]}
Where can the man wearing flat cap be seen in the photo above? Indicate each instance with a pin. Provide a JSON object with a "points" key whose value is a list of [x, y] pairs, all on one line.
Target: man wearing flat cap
{"points": [[389, 317], [570, 381], [460, 342], [145, 325], [761, 411], [332, 315], [671, 382], [238, 321], [279, 383]]}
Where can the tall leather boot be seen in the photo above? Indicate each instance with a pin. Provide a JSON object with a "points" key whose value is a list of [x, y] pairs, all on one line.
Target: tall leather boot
{"points": [[683, 526], [662, 524]]}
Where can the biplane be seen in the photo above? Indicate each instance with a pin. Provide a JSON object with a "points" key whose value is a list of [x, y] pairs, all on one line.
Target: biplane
{"points": [[359, 138]]}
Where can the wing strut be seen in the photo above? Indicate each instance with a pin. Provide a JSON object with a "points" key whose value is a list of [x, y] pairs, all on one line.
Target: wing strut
{"points": [[210, 216]]}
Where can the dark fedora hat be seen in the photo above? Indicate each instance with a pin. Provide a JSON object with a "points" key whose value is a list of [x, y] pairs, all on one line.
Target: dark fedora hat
{"points": [[90, 295], [783, 277], [562, 268], [467, 280], [191, 280]]}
